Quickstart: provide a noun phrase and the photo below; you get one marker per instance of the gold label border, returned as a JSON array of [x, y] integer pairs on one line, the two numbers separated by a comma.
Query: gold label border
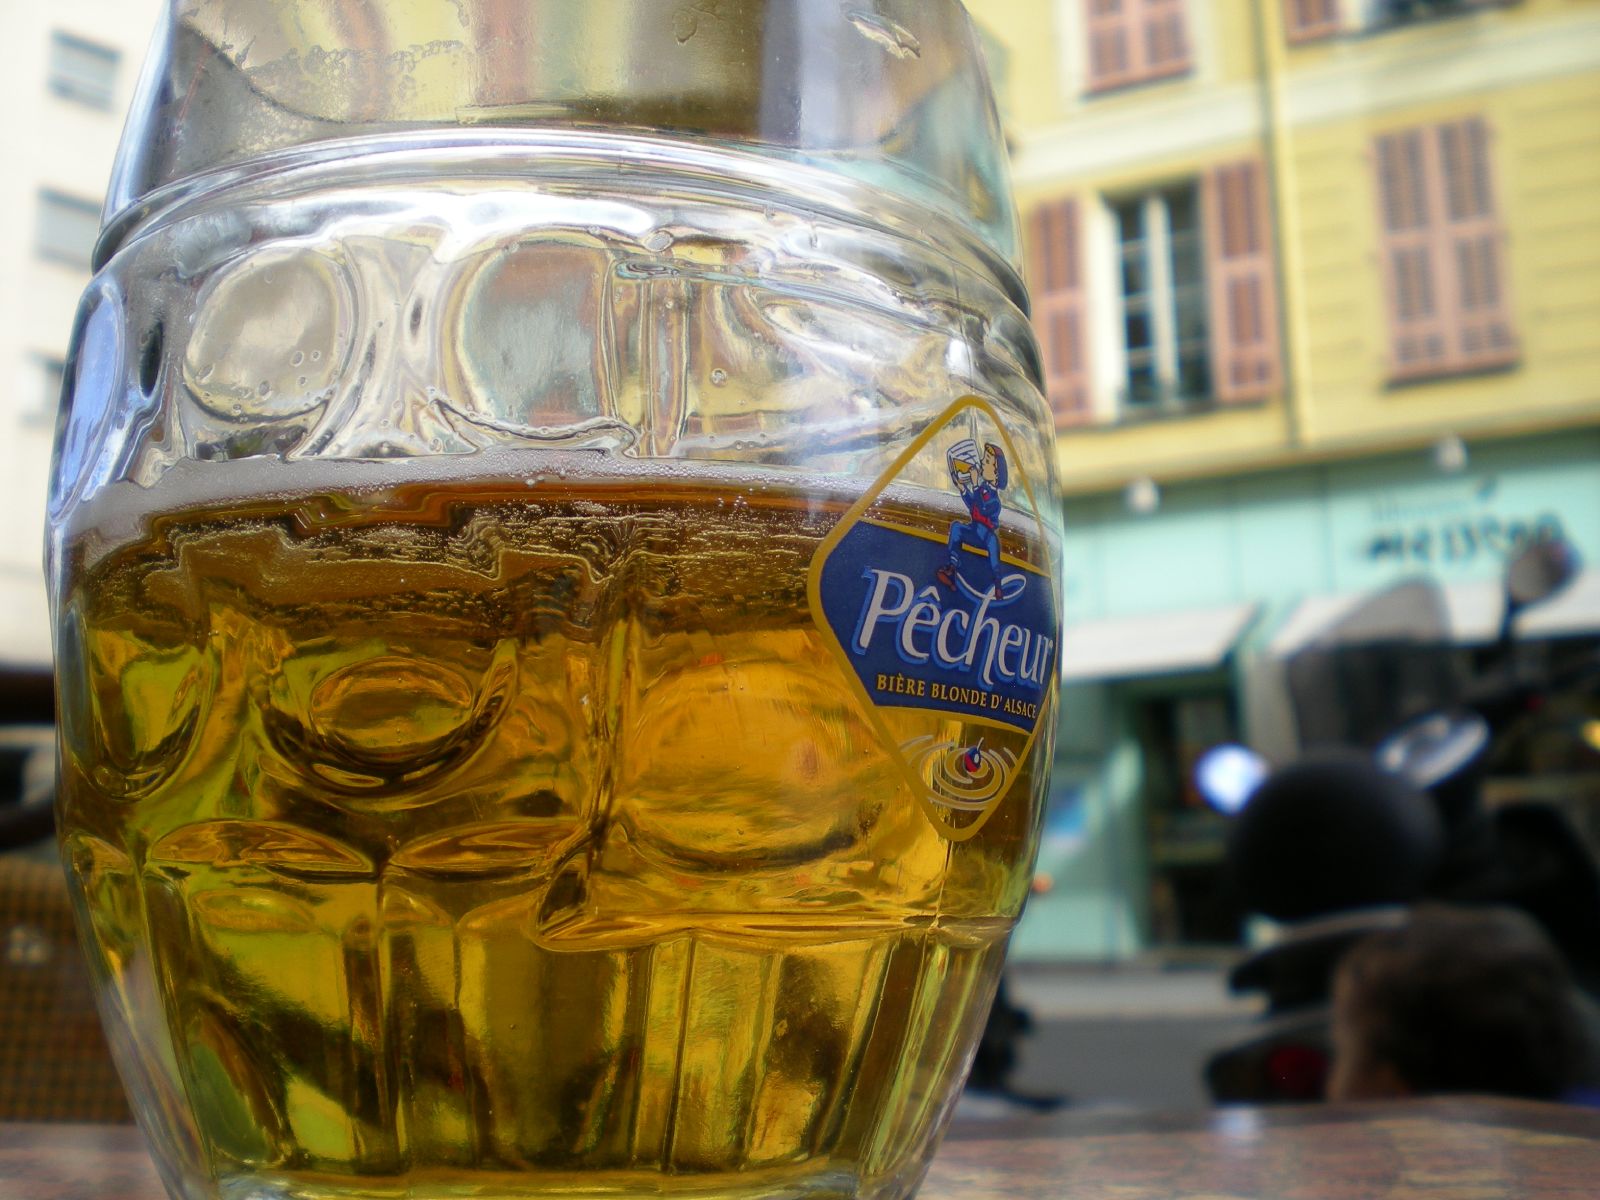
[[852, 516]]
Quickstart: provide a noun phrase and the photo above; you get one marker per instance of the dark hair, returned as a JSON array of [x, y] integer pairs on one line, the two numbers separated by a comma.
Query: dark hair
[[1001, 475], [1466, 1000]]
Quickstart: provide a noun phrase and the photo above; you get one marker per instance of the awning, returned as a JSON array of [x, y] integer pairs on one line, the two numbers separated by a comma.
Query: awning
[[1472, 611], [1152, 644]]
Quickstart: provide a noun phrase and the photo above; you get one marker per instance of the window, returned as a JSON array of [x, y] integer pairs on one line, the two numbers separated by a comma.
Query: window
[[1056, 278], [67, 229], [52, 376], [1308, 20], [1442, 251], [1135, 41], [82, 71], [1161, 282], [1192, 286]]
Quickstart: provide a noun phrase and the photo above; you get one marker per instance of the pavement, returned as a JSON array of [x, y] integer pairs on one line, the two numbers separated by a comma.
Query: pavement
[[1142, 988], [1131, 1036]]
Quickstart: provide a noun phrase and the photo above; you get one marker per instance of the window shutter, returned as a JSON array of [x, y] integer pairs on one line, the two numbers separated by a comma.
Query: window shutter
[[1131, 41], [1448, 304], [1307, 20], [1471, 248], [1166, 38], [1246, 358], [1056, 266], [1419, 335], [1110, 31]]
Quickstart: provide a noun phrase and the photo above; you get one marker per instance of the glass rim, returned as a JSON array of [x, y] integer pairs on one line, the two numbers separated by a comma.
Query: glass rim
[[891, 94], [549, 154]]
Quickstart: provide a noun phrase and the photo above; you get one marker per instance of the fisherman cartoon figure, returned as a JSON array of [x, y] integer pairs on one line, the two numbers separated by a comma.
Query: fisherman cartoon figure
[[979, 479]]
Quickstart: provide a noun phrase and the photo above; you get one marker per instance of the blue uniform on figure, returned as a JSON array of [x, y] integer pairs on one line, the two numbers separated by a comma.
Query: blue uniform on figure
[[980, 487]]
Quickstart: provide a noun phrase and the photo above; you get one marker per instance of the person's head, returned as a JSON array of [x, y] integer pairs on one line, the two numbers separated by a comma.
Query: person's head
[[994, 465], [1455, 1000]]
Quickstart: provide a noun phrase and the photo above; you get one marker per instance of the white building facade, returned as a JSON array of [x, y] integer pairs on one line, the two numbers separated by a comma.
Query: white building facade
[[69, 71]]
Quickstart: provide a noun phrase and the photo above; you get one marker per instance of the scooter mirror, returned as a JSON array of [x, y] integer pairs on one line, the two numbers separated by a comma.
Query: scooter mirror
[[1538, 571]]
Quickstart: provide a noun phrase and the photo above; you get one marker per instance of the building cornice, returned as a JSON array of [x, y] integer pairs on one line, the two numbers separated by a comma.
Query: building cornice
[[1078, 483], [1356, 77]]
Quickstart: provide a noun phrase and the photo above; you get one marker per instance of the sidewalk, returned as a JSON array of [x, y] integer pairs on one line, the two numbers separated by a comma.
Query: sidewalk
[[1138, 989], [1126, 1036]]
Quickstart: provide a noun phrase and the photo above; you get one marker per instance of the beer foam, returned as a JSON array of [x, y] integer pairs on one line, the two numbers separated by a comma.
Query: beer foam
[[120, 514]]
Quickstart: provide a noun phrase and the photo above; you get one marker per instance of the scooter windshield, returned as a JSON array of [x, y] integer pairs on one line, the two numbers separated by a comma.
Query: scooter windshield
[[1388, 659]]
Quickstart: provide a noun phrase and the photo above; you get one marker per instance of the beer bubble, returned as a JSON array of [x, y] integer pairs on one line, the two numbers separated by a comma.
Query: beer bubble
[[719, 376], [658, 241]]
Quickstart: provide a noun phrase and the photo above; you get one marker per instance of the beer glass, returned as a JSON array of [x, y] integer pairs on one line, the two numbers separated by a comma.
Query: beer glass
[[553, 565]]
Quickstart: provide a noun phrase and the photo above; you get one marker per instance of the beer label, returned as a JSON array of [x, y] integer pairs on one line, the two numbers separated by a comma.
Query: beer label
[[936, 592]]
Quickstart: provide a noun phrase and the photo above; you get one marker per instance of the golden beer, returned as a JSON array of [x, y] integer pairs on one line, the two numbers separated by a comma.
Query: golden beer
[[514, 837]]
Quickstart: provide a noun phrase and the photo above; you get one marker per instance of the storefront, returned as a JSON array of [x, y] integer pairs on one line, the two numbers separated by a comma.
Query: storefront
[[1180, 621]]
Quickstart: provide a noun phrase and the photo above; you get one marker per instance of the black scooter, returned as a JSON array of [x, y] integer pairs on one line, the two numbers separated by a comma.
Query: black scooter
[[1341, 843]]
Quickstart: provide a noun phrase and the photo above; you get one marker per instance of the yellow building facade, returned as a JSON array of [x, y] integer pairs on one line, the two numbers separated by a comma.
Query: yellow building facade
[[1310, 90], [1317, 290]]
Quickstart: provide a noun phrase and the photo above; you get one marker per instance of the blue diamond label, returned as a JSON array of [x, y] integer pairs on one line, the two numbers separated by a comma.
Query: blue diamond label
[[937, 591]]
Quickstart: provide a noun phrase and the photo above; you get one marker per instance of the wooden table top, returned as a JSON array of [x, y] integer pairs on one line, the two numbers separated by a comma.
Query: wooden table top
[[1454, 1149]]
